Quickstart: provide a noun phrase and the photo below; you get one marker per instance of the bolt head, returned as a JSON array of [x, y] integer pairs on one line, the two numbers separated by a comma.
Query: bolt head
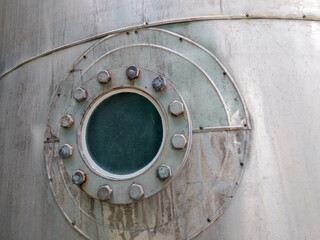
[[176, 108], [159, 83], [104, 192], [66, 151], [66, 121], [179, 141], [80, 94], [136, 191], [163, 172], [104, 76], [79, 177], [132, 72]]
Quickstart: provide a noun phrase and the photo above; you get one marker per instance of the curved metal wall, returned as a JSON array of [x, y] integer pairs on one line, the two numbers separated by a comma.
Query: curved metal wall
[[273, 55]]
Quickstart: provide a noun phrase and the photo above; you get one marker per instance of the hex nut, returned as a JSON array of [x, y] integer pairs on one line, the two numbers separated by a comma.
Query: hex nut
[[104, 192], [176, 108], [179, 141], [66, 121], [136, 191], [79, 177], [159, 83], [163, 172], [104, 77], [132, 72], [66, 151], [80, 94]]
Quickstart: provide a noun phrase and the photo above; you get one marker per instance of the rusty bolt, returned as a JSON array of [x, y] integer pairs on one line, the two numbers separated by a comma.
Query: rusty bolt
[[136, 191], [104, 76], [66, 121], [80, 94], [104, 192], [65, 151], [179, 141], [163, 172], [132, 72], [79, 177], [176, 108], [159, 83]]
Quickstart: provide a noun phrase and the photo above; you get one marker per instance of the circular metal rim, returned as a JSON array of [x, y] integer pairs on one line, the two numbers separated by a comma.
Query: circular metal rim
[[168, 155], [82, 144]]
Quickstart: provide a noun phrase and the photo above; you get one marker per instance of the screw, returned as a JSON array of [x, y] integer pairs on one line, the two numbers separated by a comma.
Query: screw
[[79, 177], [66, 121], [159, 83], [136, 191], [132, 72], [176, 108], [104, 76], [66, 151], [80, 94], [163, 172], [104, 192], [179, 141]]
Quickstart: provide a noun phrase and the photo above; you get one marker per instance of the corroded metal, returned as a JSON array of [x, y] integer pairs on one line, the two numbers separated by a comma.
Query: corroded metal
[[159, 83], [216, 155], [163, 172], [79, 177], [132, 72], [43, 52], [66, 151]]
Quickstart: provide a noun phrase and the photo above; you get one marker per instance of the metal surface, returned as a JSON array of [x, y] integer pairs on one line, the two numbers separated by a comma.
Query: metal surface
[[271, 48], [104, 192], [82, 112], [104, 76]]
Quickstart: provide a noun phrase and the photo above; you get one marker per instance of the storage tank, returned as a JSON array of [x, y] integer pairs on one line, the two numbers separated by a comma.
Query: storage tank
[[159, 119]]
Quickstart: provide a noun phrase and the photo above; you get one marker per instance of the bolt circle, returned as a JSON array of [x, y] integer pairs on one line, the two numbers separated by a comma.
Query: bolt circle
[[163, 172], [104, 76], [159, 83], [104, 192], [176, 108], [132, 72], [179, 141], [80, 94], [66, 121], [136, 191], [79, 177], [66, 151]]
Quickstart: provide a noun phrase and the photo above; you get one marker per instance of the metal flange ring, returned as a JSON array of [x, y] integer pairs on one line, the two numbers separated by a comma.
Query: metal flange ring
[[160, 169]]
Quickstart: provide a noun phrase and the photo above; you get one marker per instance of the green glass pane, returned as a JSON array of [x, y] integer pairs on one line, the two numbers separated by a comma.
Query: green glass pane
[[124, 133]]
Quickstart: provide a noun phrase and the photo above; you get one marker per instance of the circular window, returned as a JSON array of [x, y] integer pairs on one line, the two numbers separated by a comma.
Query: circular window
[[124, 136], [124, 133]]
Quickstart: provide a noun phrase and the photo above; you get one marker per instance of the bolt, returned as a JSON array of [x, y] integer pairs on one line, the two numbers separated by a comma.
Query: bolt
[[176, 108], [179, 141], [80, 94], [79, 177], [104, 192], [104, 76], [136, 191], [163, 172], [66, 151], [66, 121], [132, 72], [159, 83]]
